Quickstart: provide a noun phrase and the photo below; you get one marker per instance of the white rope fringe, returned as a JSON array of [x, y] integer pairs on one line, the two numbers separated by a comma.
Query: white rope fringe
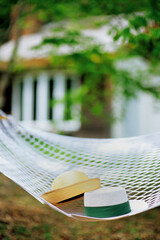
[[33, 159]]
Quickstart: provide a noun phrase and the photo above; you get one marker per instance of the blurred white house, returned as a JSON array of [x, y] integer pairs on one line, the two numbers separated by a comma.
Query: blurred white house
[[34, 89]]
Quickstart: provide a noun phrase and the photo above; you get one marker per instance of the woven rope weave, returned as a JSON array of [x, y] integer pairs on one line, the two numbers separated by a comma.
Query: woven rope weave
[[33, 159]]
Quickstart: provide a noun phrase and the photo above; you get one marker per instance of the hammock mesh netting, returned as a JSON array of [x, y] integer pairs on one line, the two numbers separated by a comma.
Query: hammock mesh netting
[[33, 158]]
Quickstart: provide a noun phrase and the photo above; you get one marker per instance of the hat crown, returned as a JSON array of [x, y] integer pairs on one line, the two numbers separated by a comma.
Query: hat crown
[[107, 196]]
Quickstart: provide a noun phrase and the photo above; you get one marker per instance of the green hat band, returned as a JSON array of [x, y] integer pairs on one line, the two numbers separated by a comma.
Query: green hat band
[[108, 211]]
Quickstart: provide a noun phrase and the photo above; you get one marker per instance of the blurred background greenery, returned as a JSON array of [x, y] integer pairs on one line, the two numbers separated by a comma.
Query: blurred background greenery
[[110, 49]]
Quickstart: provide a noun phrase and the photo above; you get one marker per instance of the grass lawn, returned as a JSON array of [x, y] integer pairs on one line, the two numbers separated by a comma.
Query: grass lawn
[[23, 217]]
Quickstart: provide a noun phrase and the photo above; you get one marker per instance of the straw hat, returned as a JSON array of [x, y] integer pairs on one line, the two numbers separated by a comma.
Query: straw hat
[[70, 184]]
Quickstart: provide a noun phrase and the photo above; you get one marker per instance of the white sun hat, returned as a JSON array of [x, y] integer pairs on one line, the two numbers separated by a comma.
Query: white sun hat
[[108, 202]]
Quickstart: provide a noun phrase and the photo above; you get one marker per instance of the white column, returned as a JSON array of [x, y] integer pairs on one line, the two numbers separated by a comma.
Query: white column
[[149, 114], [58, 95], [76, 107], [27, 96], [42, 97], [131, 119], [117, 109], [127, 123], [16, 93]]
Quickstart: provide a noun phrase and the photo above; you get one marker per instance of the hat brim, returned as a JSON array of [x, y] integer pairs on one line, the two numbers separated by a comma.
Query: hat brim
[[137, 206]]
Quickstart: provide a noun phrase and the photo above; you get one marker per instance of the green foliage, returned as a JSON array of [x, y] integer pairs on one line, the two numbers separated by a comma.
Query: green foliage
[[62, 36], [144, 42], [5, 12], [100, 78], [94, 67], [58, 10], [138, 21], [143, 33]]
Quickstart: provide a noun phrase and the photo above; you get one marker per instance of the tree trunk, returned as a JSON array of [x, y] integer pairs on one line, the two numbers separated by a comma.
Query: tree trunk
[[98, 126], [6, 76]]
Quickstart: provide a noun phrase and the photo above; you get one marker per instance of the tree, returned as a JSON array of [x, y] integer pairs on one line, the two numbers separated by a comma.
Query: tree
[[5, 31], [97, 68], [142, 38], [139, 38]]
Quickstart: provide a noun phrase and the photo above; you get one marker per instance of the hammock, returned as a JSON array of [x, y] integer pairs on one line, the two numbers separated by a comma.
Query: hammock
[[34, 158]]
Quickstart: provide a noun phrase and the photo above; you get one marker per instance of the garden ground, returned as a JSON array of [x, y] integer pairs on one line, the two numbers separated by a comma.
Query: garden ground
[[23, 217]]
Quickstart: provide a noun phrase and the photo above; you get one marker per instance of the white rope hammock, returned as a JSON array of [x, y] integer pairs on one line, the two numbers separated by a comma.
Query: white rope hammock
[[33, 159]]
